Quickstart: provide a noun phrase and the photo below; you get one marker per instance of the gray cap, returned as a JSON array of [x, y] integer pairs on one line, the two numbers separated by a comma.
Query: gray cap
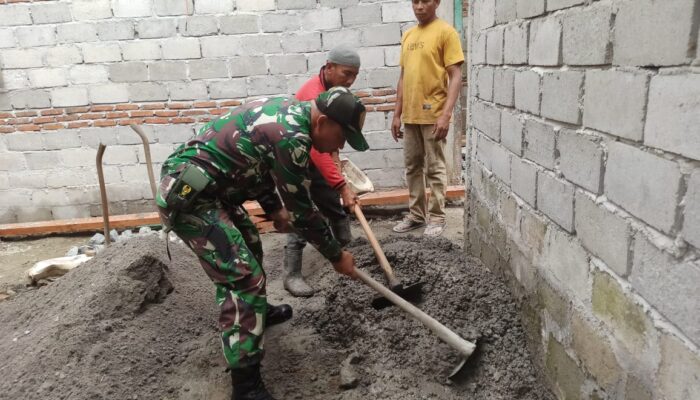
[[343, 54]]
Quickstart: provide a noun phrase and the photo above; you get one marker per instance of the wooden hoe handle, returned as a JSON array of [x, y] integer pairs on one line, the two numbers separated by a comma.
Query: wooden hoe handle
[[383, 262]]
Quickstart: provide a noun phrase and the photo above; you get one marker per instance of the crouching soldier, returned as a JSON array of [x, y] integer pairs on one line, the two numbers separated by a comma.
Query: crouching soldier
[[248, 154]]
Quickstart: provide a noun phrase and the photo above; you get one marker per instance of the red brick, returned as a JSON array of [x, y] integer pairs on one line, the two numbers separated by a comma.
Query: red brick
[[167, 113], [53, 111], [153, 106], [361, 93], [67, 118], [141, 113], [112, 115], [204, 119], [383, 92], [204, 104], [19, 121], [75, 110], [44, 120], [25, 113], [126, 107], [182, 120], [129, 121], [180, 106], [52, 127], [7, 129], [373, 100], [92, 116], [79, 124], [101, 108], [29, 127], [230, 103], [391, 99], [156, 120], [385, 107], [105, 122], [6, 115], [193, 112], [218, 111]]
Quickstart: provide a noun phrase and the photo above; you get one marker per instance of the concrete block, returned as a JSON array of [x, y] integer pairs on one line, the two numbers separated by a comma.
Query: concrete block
[[387, 178], [21, 58], [174, 134], [545, 42], [691, 224], [246, 66], [47, 77], [188, 90], [653, 195], [378, 159], [561, 94], [128, 72], [296, 4], [505, 11], [262, 85], [198, 26], [494, 46], [61, 139], [159, 152], [565, 262], [121, 155], [504, 87], [484, 150], [540, 143], [679, 370], [39, 160], [91, 9], [364, 14], [374, 121], [381, 35], [228, 89], [70, 212], [484, 14], [15, 14], [383, 77], [396, 12], [5, 103], [287, 64], [63, 55], [100, 53], [34, 214], [34, 36], [69, 97], [346, 36], [50, 13], [116, 30], [553, 5], [581, 160], [30, 99], [555, 198], [478, 51], [8, 215], [392, 56], [76, 33], [586, 36], [652, 33], [669, 285], [109, 93], [515, 44], [486, 119], [637, 389], [82, 74], [277, 22], [241, 23], [512, 132], [529, 8], [673, 114], [370, 57], [206, 69], [603, 233], [615, 307], [316, 60], [614, 103], [133, 174], [23, 142], [141, 50], [92, 137], [219, 46], [14, 161], [321, 19], [527, 91], [147, 91], [254, 5], [179, 49], [11, 198], [484, 83], [554, 303], [13, 79], [167, 70], [523, 176], [80, 157], [152, 28], [131, 9], [500, 163], [174, 7], [263, 44], [338, 3], [7, 38], [595, 352]]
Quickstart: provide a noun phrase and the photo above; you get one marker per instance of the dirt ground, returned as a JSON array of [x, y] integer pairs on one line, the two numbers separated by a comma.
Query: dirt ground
[[129, 324]]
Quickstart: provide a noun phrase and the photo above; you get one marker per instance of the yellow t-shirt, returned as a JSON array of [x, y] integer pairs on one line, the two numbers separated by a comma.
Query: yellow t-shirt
[[426, 51]]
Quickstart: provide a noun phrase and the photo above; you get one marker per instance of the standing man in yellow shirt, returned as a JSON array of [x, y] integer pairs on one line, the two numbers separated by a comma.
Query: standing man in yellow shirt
[[430, 81]]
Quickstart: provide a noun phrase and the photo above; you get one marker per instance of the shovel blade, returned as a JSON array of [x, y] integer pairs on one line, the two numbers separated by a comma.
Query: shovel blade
[[411, 293]]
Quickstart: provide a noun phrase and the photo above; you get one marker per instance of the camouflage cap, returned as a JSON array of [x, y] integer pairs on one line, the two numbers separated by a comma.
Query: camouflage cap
[[340, 105]]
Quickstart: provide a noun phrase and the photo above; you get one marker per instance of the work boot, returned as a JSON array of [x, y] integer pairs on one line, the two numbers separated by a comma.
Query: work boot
[[293, 280], [278, 314], [248, 385], [341, 231]]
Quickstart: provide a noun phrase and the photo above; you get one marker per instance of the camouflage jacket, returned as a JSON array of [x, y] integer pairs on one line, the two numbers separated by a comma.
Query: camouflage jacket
[[251, 151]]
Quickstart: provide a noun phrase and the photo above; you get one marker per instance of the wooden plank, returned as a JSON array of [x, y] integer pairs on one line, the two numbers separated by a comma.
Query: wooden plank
[[391, 197]]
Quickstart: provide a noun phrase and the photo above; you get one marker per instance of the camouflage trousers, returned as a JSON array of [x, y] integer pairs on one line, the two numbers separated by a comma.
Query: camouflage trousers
[[229, 249]]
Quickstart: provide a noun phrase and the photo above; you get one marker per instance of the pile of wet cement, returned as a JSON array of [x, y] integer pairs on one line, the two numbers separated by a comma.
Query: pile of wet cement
[[130, 324]]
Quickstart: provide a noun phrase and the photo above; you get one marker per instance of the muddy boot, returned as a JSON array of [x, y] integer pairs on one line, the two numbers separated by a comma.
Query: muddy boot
[[248, 385], [341, 231], [293, 280], [278, 314]]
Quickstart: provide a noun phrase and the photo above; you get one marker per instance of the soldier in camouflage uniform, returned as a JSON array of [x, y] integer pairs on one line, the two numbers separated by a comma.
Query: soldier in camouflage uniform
[[248, 154]]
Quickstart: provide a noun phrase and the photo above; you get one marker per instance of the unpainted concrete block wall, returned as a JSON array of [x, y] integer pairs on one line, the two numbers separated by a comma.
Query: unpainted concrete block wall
[[74, 73], [583, 169]]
